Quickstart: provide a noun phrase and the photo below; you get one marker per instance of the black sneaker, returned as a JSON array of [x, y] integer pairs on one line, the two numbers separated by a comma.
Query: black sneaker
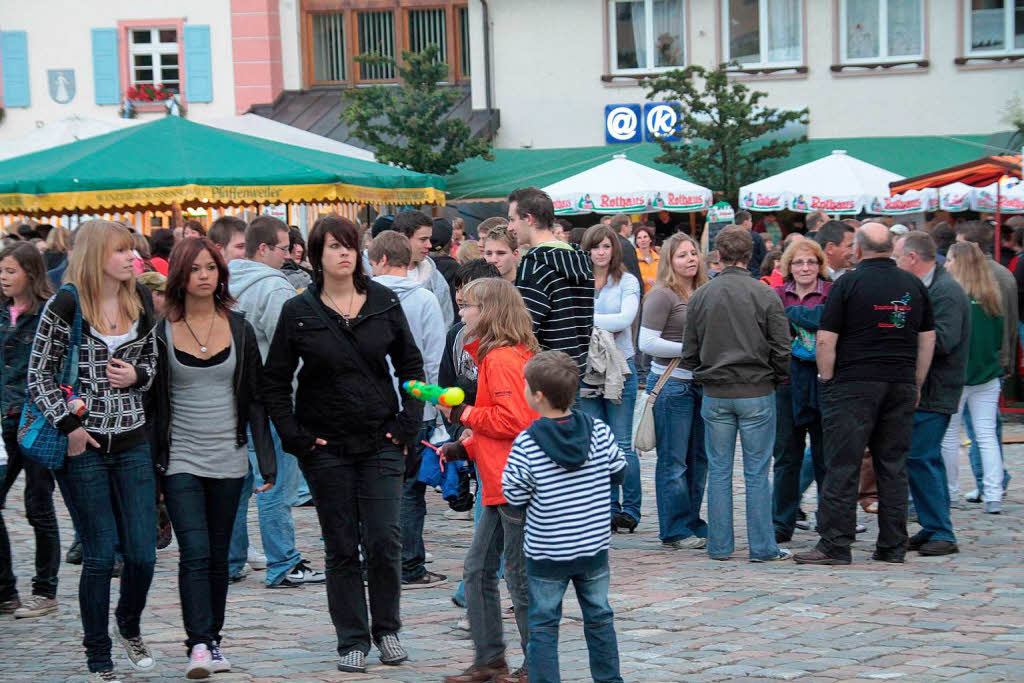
[[302, 573], [285, 583], [74, 554], [891, 557], [391, 651], [353, 662], [936, 548], [918, 540]]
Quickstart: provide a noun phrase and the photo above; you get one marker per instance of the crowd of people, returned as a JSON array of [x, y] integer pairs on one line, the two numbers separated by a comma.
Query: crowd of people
[[209, 366]]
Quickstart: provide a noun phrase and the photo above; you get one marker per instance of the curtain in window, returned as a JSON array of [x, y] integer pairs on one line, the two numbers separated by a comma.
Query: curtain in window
[[328, 47], [668, 33], [377, 36], [1018, 25], [862, 29], [784, 31], [904, 28], [987, 28], [630, 36], [744, 31]]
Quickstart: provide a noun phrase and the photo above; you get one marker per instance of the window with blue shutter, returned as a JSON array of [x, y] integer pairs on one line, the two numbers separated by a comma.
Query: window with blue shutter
[[106, 76], [198, 76], [14, 54]]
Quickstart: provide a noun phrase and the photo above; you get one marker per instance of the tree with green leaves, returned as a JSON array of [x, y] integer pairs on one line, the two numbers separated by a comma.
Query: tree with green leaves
[[725, 131], [408, 125]]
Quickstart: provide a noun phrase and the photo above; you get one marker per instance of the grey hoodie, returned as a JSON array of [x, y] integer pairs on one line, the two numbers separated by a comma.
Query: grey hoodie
[[261, 292], [423, 312], [427, 274]]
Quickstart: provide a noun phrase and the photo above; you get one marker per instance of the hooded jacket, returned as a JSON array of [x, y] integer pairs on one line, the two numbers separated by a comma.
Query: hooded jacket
[[260, 292], [426, 322], [247, 386], [562, 469], [557, 284], [345, 393], [499, 414]]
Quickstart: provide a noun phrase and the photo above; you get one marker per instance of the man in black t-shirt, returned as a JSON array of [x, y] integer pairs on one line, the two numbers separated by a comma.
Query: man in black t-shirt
[[875, 346]]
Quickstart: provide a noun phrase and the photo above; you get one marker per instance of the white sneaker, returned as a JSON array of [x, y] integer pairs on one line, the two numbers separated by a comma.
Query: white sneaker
[[256, 560], [464, 516], [200, 663], [219, 661], [428, 558], [135, 649], [301, 573]]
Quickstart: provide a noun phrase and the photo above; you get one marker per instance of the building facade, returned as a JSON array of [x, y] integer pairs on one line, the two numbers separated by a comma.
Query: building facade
[[550, 68]]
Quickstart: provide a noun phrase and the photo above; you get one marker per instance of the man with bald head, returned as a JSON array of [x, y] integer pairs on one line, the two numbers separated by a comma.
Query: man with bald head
[[874, 348]]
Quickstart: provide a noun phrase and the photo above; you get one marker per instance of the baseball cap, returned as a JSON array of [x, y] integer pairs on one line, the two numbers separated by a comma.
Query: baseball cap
[[442, 234], [381, 224]]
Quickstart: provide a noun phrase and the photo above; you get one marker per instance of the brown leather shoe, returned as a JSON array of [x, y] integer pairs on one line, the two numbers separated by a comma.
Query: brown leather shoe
[[481, 674], [517, 676]]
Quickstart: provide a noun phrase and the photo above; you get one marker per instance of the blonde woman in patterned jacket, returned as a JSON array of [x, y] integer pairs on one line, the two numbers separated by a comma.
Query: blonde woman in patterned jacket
[[107, 478]]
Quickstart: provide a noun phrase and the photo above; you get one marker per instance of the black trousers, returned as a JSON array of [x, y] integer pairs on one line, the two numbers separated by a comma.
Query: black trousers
[[354, 492], [41, 516], [789, 460], [202, 511], [855, 416]]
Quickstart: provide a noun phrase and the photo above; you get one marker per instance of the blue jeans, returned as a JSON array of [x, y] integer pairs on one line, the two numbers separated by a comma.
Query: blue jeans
[[620, 418], [926, 475], [974, 452], [681, 470], [460, 593], [277, 528], [754, 419], [111, 495], [546, 594], [202, 511], [413, 515], [302, 494]]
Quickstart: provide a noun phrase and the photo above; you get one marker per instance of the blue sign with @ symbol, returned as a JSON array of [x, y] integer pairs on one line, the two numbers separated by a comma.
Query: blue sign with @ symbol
[[623, 123], [660, 119]]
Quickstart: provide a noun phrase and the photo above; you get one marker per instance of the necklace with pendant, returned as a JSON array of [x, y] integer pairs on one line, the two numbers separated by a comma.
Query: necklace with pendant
[[202, 345]]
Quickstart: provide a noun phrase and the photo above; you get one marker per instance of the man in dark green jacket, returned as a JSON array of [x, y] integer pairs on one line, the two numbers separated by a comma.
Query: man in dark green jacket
[[940, 395]]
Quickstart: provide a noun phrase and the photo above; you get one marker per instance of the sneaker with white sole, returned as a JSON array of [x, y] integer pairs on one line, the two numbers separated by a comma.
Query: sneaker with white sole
[[688, 543], [428, 558], [784, 554], [391, 651], [36, 606], [256, 560], [459, 515], [426, 581], [353, 662], [302, 573], [200, 663], [104, 677], [220, 662], [462, 624], [136, 650]]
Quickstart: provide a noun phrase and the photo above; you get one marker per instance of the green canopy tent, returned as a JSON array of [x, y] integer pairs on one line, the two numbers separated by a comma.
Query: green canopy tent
[[173, 161]]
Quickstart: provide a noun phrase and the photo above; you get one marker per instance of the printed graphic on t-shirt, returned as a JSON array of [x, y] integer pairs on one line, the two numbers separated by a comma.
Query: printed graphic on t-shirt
[[898, 312]]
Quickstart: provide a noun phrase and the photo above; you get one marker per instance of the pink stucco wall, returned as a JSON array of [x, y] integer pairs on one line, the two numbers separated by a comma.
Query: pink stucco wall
[[256, 52]]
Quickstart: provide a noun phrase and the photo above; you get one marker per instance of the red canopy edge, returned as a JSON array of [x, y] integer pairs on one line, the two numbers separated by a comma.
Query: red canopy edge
[[978, 173]]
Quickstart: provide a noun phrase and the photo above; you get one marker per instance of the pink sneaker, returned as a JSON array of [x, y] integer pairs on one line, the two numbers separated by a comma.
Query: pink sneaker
[[200, 663]]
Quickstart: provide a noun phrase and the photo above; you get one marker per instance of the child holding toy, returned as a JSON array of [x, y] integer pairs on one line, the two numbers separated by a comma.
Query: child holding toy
[[501, 341]]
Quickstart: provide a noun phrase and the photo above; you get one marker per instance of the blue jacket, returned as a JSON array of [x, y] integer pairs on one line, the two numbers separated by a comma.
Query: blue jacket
[[15, 351]]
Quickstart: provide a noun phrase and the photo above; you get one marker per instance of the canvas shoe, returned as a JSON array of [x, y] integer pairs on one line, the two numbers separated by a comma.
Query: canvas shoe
[[391, 651], [354, 662], [200, 663], [256, 560], [136, 650], [104, 677], [220, 662], [36, 606]]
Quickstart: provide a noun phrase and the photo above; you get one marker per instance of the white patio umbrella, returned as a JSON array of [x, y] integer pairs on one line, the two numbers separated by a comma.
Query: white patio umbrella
[[955, 197], [61, 132], [1010, 197], [623, 186], [836, 184]]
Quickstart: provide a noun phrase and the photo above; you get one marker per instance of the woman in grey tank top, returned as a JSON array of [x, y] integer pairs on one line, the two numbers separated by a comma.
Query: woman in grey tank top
[[207, 397]]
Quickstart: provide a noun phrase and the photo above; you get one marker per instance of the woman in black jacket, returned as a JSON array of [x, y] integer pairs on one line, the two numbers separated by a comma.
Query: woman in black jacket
[[206, 395], [349, 430]]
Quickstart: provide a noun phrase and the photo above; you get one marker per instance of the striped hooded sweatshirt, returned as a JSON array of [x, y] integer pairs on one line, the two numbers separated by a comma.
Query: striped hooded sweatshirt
[[556, 281], [562, 470]]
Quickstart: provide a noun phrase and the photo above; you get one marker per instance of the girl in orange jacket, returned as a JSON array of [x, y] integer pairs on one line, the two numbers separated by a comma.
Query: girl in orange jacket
[[501, 342]]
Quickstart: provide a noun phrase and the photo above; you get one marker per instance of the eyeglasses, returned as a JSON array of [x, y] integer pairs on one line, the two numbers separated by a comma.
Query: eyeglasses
[[805, 264], [286, 250]]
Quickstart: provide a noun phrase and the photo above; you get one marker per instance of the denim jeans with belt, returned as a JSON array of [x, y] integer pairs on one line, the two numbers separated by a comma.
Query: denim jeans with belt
[[40, 513], [681, 470], [277, 528], [358, 498], [500, 530], [754, 419], [619, 416], [202, 511], [546, 594], [926, 475], [111, 496]]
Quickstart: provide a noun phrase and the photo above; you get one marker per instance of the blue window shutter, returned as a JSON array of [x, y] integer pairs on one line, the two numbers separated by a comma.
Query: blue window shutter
[[14, 53], [198, 77], [106, 69]]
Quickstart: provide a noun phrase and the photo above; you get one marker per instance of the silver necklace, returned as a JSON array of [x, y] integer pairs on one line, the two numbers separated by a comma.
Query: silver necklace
[[202, 346]]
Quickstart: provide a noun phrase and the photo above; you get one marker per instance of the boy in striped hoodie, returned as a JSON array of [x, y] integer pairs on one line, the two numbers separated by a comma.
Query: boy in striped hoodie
[[561, 468]]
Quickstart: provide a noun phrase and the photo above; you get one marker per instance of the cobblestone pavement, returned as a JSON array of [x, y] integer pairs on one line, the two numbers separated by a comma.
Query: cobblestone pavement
[[679, 615]]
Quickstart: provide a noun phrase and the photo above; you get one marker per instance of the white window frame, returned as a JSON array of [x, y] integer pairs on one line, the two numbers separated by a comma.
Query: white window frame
[[649, 40], [1008, 9], [762, 30], [883, 37], [154, 49]]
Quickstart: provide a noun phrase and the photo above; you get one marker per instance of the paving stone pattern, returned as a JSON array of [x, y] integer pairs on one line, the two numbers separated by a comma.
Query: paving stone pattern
[[679, 615]]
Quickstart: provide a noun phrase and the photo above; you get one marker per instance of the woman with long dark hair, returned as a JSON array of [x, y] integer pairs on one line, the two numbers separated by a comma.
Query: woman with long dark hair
[[349, 431], [107, 478], [206, 397], [25, 289]]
